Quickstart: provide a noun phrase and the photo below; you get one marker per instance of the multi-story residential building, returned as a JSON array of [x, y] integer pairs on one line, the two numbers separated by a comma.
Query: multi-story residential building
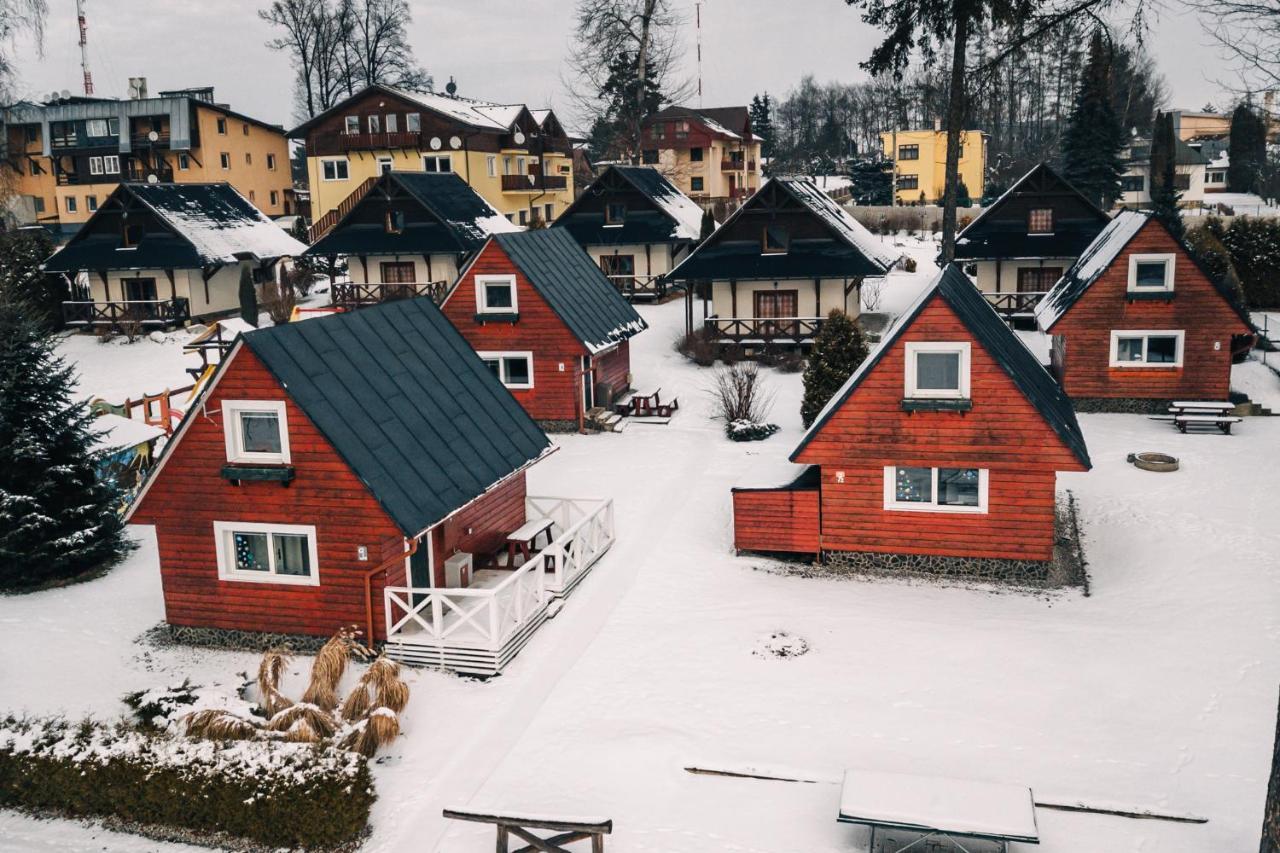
[[710, 155], [920, 163], [1190, 168], [69, 154], [517, 159]]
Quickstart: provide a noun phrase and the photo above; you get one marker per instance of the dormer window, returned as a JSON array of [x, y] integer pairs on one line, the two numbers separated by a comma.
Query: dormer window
[[256, 432], [496, 294], [352, 124], [1040, 220], [1151, 273], [937, 371], [130, 235], [775, 240], [615, 212], [394, 221]]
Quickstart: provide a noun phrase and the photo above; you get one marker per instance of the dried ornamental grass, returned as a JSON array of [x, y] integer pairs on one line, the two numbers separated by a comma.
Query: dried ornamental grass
[[326, 672], [213, 724], [311, 717], [376, 731], [270, 670]]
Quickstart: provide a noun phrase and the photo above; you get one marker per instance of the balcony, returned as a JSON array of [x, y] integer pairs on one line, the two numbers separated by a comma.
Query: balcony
[[635, 287], [141, 172], [126, 314], [144, 140], [1009, 305], [350, 296], [754, 330], [341, 143], [479, 628], [533, 183], [737, 165]]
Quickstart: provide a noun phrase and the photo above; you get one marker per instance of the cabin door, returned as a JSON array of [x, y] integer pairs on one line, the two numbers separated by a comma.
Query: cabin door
[[588, 385], [143, 292], [774, 305]]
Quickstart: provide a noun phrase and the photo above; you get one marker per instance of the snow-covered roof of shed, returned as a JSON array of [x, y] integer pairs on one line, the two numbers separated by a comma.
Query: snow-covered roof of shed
[[1091, 264], [840, 220], [222, 225], [990, 810]]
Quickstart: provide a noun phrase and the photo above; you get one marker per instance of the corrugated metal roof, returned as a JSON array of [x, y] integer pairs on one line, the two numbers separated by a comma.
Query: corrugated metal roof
[[1093, 261], [991, 332], [573, 286], [406, 402], [671, 217]]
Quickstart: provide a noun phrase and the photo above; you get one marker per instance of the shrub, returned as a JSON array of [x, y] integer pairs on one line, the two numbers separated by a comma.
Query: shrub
[[749, 431], [771, 355], [275, 793], [699, 346], [739, 394], [731, 354], [792, 361], [872, 293], [909, 263], [838, 349], [280, 298]]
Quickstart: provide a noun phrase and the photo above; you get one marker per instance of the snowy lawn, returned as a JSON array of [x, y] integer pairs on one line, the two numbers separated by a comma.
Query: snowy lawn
[[1158, 691]]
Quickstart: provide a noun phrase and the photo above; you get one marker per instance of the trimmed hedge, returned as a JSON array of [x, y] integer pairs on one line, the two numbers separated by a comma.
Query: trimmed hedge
[[275, 793]]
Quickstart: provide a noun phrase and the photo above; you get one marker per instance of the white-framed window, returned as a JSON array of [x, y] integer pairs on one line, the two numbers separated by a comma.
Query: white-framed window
[[95, 165], [1147, 348], [266, 553], [256, 431], [391, 123], [496, 294], [375, 124], [938, 370], [413, 122], [433, 163], [921, 489], [71, 204], [96, 128], [1151, 273], [334, 169], [91, 202], [352, 124], [491, 165], [513, 369], [385, 164], [225, 159], [111, 164]]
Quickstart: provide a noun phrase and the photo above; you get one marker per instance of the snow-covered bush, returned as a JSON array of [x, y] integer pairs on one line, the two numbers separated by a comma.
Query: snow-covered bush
[[750, 430], [275, 793], [780, 644]]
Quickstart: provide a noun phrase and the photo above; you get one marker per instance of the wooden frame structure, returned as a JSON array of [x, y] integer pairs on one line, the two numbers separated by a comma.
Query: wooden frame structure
[[522, 826]]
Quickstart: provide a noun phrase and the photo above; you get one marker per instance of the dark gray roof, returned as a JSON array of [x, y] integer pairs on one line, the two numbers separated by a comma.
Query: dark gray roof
[[982, 321], [457, 219], [573, 286], [668, 217], [406, 402]]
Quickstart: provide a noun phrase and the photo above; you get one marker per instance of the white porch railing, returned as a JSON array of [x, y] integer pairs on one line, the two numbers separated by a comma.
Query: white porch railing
[[583, 529], [478, 629]]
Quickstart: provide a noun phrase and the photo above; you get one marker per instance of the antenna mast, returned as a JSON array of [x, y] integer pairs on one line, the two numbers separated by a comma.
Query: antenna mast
[[84, 49], [697, 12]]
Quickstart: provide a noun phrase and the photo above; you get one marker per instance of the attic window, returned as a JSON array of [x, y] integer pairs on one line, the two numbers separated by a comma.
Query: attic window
[[256, 432], [615, 213], [1040, 220], [775, 240], [130, 235], [1151, 273], [938, 371], [496, 294], [352, 124], [394, 221]]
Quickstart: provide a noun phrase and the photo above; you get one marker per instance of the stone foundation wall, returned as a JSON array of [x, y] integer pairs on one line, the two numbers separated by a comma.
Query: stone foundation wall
[[165, 634], [558, 426], [1121, 405]]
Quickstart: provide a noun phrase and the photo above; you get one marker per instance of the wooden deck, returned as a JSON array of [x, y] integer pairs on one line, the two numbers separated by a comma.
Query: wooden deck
[[754, 330], [350, 296]]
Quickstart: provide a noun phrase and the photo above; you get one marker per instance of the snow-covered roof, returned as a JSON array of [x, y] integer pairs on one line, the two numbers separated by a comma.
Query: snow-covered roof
[[540, 116], [470, 111], [717, 127], [684, 211], [1091, 264], [840, 220], [221, 224], [991, 810]]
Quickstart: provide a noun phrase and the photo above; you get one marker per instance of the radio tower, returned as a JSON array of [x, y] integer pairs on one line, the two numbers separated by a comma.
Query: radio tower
[[697, 16], [84, 48]]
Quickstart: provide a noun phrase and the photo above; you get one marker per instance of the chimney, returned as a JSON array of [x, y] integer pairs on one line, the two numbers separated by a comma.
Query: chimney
[[937, 125]]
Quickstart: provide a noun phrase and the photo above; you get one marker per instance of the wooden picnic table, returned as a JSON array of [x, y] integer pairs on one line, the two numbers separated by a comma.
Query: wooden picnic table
[[524, 539], [1208, 413], [1181, 407], [646, 404], [1221, 421], [568, 830]]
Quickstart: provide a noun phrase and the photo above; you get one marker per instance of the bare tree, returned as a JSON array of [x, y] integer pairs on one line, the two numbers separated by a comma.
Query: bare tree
[[379, 46], [623, 62], [300, 20], [16, 17], [1249, 33]]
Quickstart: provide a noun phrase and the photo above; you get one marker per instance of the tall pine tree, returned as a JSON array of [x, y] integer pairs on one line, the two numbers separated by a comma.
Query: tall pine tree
[[838, 349], [1246, 150], [1165, 194], [1094, 137], [762, 122], [58, 520]]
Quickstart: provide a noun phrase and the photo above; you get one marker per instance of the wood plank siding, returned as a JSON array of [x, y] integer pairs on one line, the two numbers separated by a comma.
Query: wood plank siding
[[1003, 433], [482, 528], [782, 520], [613, 367], [1082, 342], [557, 353]]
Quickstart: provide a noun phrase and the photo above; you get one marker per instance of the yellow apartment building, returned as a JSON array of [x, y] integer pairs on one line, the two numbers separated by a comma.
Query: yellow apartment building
[[68, 155], [709, 154], [920, 163], [519, 160]]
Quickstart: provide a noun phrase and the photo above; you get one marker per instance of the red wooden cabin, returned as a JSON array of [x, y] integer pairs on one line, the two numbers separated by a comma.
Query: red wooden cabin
[[331, 458], [1136, 322], [548, 323], [943, 446]]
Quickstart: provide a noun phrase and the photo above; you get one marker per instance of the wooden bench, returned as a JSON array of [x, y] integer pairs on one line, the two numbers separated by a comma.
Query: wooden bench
[[568, 830], [524, 540], [1222, 422], [1182, 407], [647, 405]]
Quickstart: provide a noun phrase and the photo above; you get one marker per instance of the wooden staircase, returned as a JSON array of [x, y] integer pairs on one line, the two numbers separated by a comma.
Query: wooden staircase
[[604, 420], [324, 224]]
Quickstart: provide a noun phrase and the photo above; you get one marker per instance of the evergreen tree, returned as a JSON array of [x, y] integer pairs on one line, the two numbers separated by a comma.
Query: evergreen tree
[[1164, 170], [872, 181], [708, 226], [1247, 150], [1094, 137], [22, 280], [762, 122], [838, 349], [962, 195], [248, 298], [58, 520]]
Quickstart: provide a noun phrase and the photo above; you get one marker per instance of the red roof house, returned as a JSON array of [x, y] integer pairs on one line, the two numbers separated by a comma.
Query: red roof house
[[940, 453], [1136, 322], [362, 468], [547, 322]]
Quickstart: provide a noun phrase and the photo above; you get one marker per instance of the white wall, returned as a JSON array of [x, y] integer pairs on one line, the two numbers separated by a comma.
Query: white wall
[[1009, 272], [807, 305], [444, 267], [658, 261]]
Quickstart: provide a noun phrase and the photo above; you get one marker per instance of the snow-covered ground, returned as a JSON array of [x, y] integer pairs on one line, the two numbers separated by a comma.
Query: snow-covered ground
[[1156, 691]]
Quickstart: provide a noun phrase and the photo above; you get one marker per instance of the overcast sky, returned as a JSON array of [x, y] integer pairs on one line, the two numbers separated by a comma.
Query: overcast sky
[[502, 50]]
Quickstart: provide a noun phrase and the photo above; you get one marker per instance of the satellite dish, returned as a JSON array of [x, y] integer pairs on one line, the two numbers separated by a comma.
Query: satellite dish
[[153, 136], [519, 137], [451, 87], [435, 143], [455, 142], [66, 93], [153, 178]]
